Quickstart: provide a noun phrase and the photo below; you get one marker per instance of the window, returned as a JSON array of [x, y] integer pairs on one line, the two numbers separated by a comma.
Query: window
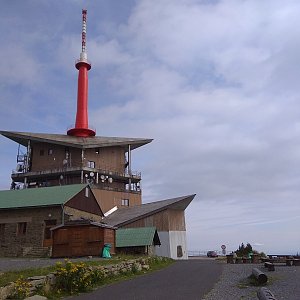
[[125, 202], [48, 225], [179, 251], [50, 151], [91, 164], [42, 152], [21, 228], [2, 230]]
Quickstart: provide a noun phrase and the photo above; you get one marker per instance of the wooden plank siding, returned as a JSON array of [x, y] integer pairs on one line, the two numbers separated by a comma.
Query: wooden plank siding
[[72, 241], [47, 156], [109, 199], [166, 220], [85, 201]]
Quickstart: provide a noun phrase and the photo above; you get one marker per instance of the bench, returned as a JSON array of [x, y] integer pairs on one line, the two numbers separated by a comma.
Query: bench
[[270, 266]]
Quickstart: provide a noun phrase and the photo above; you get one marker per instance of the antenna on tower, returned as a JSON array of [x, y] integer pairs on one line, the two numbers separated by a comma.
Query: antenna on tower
[[83, 66]]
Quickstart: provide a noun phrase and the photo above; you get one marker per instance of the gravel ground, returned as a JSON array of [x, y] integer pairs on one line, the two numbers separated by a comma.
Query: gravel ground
[[283, 283]]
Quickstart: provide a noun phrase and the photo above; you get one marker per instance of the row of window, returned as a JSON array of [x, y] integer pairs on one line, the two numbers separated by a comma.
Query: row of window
[[21, 229], [50, 151], [42, 152]]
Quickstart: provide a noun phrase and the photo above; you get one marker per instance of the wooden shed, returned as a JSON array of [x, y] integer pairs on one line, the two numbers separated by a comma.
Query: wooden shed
[[82, 238], [137, 240]]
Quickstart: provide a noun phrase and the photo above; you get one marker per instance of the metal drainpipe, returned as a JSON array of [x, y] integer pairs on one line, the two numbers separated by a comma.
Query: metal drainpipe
[[82, 159], [129, 166], [63, 215], [28, 156]]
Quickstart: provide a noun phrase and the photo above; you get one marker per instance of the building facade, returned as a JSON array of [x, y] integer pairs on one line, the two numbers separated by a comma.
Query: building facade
[[45, 160], [27, 216]]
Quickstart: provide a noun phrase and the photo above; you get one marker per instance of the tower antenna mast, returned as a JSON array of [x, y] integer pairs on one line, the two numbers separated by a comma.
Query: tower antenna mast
[[81, 128]]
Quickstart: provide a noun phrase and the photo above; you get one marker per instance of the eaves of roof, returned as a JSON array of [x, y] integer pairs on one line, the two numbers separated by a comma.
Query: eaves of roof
[[124, 216], [73, 141], [80, 223]]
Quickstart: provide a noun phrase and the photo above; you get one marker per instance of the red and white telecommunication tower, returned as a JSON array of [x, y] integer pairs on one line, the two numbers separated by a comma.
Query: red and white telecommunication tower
[[81, 128]]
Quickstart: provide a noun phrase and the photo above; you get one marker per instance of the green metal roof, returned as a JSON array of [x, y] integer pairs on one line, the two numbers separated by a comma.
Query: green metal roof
[[46, 196], [143, 236]]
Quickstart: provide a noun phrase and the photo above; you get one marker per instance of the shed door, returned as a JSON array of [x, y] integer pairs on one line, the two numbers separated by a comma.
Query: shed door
[[60, 243], [78, 238], [47, 233]]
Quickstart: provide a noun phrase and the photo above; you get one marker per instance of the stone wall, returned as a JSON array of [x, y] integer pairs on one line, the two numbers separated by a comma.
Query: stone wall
[[14, 239]]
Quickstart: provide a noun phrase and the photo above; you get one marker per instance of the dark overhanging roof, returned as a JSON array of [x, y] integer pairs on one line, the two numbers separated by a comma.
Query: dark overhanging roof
[[39, 197], [133, 237], [124, 216], [80, 223], [73, 141]]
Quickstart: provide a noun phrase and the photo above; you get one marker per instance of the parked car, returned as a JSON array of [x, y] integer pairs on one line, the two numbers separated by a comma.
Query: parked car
[[212, 254]]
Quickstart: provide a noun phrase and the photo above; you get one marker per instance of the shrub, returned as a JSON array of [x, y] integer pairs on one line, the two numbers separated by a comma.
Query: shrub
[[21, 289], [73, 277]]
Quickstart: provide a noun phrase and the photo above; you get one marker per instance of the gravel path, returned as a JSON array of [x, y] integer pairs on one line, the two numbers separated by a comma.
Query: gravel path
[[283, 283]]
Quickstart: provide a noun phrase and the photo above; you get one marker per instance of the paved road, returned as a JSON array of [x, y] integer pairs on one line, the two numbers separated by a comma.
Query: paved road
[[184, 280]]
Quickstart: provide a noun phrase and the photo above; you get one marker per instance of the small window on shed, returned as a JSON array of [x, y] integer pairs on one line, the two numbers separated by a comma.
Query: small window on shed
[[21, 228], [86, 192], [50, 151], [125, 202]]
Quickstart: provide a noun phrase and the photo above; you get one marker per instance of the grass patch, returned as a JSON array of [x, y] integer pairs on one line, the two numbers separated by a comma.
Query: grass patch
[[84, 277], [12, 276]]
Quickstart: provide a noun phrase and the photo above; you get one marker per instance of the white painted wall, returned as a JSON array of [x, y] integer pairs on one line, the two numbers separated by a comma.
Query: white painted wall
[[169, 242], [164, 248], [178, 238]]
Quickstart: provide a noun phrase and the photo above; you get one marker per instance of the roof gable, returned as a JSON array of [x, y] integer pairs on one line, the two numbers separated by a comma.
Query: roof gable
[[46, 196], [132, 237], [80, 223], [127, 215]]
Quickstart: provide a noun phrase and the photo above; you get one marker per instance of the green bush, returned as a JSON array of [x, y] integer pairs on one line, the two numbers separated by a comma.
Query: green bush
[[21, 289], [73, 277]]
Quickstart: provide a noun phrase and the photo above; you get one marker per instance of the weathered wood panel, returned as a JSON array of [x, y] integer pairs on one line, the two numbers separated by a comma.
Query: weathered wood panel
[[73, 241], [109, 199], [85, 202], [167, 220]]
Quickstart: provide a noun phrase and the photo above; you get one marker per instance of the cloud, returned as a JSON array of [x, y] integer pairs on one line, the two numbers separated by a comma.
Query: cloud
[[213, 82]]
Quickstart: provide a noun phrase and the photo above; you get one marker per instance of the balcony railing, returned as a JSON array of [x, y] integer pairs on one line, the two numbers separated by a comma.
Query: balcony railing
[[113, 174]]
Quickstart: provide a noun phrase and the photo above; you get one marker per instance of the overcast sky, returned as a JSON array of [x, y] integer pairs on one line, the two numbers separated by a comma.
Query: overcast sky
[[214, 83]]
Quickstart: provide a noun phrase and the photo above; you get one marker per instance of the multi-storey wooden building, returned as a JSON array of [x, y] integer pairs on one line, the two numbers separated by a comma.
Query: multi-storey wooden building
[[56, 159]]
